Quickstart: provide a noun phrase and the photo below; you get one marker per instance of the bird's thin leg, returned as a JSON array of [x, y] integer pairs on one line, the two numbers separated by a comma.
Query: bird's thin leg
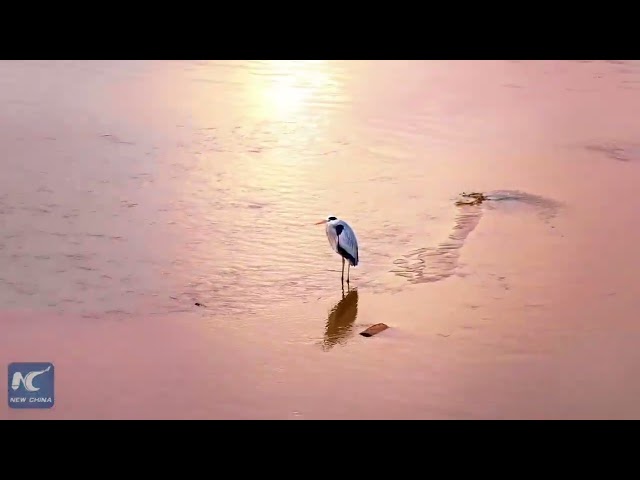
[[348, 270], [342, 278]]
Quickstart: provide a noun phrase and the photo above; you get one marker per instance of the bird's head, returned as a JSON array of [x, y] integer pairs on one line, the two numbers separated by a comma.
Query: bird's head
[[329, 219]]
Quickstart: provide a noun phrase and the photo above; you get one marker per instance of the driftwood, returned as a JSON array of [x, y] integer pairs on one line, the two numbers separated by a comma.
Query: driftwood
[[374, 329]]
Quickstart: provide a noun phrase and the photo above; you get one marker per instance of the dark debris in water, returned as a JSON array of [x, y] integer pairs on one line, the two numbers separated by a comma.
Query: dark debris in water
[[116, 139], [476, 198], [621, 153]]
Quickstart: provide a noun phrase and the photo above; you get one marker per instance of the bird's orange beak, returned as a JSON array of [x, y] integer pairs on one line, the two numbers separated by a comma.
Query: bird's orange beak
[[320, 222]]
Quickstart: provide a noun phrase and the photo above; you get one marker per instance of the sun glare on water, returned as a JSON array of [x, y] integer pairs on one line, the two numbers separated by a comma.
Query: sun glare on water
[[286, 87]]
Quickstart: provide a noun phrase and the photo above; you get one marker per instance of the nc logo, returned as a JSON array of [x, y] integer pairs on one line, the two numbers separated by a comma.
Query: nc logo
[[31, 385], [27, 380]]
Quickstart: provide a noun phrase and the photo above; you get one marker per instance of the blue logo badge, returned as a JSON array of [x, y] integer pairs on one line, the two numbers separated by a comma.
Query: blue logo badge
[[31, 385]]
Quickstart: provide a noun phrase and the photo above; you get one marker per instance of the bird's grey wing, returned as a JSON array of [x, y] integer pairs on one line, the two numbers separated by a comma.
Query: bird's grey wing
[[348, 241]]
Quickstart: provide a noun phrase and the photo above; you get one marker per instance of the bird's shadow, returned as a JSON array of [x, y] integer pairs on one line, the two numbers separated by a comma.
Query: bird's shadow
[[339, 326]]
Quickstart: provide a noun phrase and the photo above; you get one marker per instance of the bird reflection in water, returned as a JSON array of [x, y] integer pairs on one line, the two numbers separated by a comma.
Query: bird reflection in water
[[340, 321]]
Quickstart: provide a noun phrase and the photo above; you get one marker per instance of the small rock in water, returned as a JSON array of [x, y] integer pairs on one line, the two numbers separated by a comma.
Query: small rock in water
[[374, 329], [199, 304]]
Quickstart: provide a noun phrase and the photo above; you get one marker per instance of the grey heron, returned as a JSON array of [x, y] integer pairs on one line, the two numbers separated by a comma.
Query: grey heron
[[343, 240]]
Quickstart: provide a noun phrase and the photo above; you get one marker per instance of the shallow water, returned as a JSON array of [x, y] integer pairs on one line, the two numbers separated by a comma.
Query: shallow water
[[133, 189]]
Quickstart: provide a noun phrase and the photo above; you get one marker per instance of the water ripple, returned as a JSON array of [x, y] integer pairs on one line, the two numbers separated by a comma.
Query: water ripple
[[201, 180]]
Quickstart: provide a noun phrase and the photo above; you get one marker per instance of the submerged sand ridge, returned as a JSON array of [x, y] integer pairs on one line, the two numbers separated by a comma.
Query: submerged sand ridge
[[431, 264]]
